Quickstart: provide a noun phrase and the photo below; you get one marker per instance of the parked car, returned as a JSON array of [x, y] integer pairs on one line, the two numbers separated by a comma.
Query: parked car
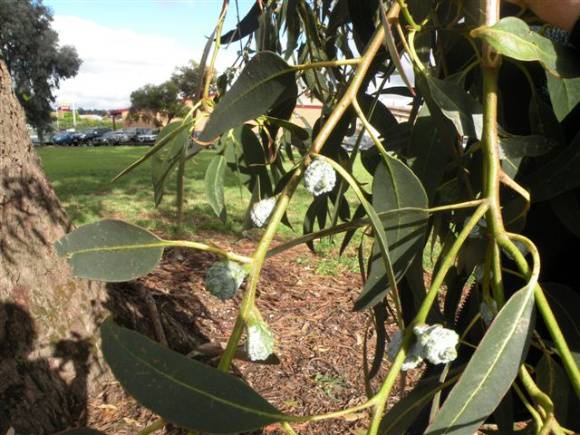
[[148, 137], [105, 139], [89, 135], [119, 137], [65, 138]]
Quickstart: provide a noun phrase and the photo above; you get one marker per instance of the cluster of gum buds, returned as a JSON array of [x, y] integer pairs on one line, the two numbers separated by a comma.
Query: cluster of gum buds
[[262, 210], [436, 344], [224, 278], [319, 178]]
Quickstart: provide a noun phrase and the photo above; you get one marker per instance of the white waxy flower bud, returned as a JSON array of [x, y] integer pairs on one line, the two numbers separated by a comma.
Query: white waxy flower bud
[[413, 358], [224, 278], [260, 341], [438, 344], [262, 210], [488, 310], [319, 177]]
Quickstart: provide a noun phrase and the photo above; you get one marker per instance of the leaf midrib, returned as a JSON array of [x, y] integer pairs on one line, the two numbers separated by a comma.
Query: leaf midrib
[[276, 417], [492, 366]]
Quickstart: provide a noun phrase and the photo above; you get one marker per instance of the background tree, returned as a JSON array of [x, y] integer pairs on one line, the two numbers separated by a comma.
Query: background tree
[[157, 103], [187, 79], [36, 62]]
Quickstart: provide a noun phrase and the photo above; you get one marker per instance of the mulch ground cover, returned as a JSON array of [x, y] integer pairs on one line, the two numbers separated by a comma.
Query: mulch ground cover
[[318, 364]]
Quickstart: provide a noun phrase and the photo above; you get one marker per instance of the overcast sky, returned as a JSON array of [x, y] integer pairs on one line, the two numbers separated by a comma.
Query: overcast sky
[[125, 44]]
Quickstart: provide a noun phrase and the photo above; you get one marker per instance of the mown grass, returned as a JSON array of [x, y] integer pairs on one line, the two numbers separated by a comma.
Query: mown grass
[[82, 179]]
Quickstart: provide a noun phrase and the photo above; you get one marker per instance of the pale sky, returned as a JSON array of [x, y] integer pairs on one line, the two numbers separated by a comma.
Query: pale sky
[[125, 44]]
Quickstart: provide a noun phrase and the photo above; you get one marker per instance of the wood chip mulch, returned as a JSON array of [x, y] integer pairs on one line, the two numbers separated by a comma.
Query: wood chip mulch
[[318, 364]]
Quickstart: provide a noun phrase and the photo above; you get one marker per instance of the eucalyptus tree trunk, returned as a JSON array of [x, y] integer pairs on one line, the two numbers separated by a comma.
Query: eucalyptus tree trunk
[[48, 367]]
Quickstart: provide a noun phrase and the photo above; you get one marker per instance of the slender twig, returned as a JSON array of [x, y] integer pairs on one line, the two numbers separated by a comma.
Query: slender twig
[[424, 310], [284, 198]]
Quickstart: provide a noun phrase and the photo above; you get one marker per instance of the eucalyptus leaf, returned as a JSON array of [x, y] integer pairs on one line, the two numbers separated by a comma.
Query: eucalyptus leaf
[[552, 380], [395, 186], [406, 411], [514, 147], [183, 391], [512, 37], [491, 369], [266, 81], [453, 102], [564, 93], [559, 175], [214, 185], [110, 250], [247, 25]]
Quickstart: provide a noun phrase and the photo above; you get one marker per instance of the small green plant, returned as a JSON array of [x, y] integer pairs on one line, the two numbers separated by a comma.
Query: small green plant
[[445, 185]]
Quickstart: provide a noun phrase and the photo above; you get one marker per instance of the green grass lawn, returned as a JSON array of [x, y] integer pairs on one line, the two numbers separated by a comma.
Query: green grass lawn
[[82, 177]]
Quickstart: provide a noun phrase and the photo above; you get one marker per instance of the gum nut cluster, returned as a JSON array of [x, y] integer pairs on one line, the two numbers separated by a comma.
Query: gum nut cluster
[[260, 341], [412, 360], [224, 278], [262, 210], [488, 311], [319, 178], [438, 344]]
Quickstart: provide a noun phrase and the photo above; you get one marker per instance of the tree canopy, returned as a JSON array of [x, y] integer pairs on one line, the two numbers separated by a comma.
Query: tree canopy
[[36, 61], [151, 102]]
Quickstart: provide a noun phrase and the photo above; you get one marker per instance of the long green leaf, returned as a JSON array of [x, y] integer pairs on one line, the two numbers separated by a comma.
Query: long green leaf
[[512, 37], [166, 136], [395, 186], [515, 147], [453, 102], [564, 94], [491, 369], [183, 391], [558, 176], [266, 81], [111, 250], [405, 412], [380, 236], [214, 185]]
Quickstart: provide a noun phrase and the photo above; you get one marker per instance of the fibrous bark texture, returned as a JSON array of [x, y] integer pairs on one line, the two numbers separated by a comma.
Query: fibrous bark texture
[[48, 361]]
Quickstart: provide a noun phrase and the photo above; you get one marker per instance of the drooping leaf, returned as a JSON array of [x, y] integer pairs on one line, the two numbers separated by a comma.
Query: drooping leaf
[[515, 147], [564, 302], [165, 137], [552, 380], [558, 176], [183, 391], [266, 81], [300, 132], [110, 250], [381, 243], [453, 102], [564, 94], [214, 185], [246, 26], [165, 161], [491, 369], [431, 148], [512, 37], [395, 186], [404, 413]]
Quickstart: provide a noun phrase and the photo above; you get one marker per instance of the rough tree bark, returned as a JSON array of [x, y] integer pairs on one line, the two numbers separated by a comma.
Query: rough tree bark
[[49, 365]]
